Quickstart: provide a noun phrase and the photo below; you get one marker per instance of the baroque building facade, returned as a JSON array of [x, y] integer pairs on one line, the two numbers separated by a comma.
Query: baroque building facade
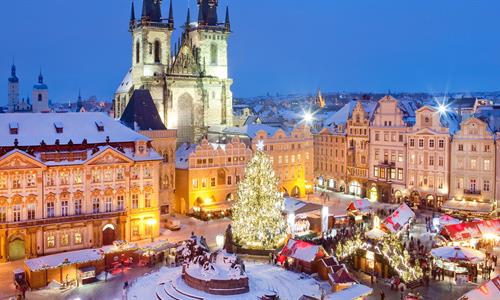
[[189, 82], [330, 158], [73, 181]]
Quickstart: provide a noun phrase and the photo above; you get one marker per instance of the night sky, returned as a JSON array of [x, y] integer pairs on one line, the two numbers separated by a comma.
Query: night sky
[[292, 46]]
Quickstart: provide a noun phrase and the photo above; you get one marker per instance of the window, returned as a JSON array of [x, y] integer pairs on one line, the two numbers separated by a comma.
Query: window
[[78, 238], [77, 177], [472, 185], [431, 160], [135, 201], [486, 186], [50, 209], [203, 182], [376, 171], [441, 161], [78, 207], [460, 147], [229, 180], [377, 137], [377, 154], [157, 51], [96, 176], [400, 156], [31, 211], [473, 163], [237, 179], [431, 143], [96, 205], [135, 229], [147, 199], [108, 175], [386, 137], [119, 174], [213, 54], [3, 182], [51, 241], [212, 181], [400, 138], [16, 182], [441, 143], [16, 213], [40, 98], [137, 52], [473, 148], [3, 214], [195, 183], [487, 148], [120, 202], [147, 172], [400, 174], [487, 165], [63, 178], [134, 173], [50, 179], [108, 204], [440, 182], [420, 143], [460, 183], [64, 239], [30, 180], [393, 173], [64, 208]]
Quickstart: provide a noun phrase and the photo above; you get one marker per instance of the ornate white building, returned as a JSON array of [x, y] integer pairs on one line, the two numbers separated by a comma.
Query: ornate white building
[[188, 82]]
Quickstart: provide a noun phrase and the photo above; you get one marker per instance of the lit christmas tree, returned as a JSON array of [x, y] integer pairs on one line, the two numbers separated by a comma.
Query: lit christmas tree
[[258, 221]]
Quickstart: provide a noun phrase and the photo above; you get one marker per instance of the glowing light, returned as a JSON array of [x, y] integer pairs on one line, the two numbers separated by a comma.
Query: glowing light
[[308, 117], [219, 241], [151, 222], [376, 222], [260, 145]]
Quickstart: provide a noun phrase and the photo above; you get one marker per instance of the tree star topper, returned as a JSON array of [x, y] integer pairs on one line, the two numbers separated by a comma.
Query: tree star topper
[[260, 145]]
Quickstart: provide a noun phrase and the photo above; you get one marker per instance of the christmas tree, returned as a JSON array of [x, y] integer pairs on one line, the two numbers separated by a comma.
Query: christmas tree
[[257, 213]]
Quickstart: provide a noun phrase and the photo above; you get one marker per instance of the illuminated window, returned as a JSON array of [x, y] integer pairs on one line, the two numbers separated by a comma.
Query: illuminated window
[[31, 211], [30, 180], [147, 172], [120, 202], [487, 165], [64, 208], [195, 183], [78, 207], [78, 238], [203, 182], [3, 214], [16, 182], [96, 205], [119, 174], [51, 241], [108, 175], [64, 239], [63, 178], [108, 204], [147, 199], [50, 209], [135, 201], [77, 177], [3, 182], [16, 213]]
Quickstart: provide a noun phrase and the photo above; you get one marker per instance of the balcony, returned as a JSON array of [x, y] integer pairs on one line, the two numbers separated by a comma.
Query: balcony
[[473, 192]]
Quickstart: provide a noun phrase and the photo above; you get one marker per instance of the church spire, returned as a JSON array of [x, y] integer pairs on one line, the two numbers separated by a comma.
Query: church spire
[[132, 16], [171, 16], [228, 22], [208, 12], [40, 77], [188, 18]]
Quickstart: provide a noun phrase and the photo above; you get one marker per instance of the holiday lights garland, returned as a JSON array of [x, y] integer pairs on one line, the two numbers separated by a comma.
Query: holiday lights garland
[[258, 221]]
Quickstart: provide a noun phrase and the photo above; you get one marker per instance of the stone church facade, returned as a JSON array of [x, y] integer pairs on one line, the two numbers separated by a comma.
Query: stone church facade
[[189, 82]]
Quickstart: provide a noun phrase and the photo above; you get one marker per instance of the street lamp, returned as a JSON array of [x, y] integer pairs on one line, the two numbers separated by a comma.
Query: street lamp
[[151, 223]]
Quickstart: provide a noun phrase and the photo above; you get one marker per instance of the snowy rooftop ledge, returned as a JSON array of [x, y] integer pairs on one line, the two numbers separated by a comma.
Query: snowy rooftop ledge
[[65, 258]]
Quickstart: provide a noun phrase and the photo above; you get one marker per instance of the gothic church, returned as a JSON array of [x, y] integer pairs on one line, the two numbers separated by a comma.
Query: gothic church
[[188, 82]]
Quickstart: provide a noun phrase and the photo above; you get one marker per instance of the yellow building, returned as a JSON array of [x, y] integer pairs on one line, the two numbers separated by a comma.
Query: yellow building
[[207, 175], [73, 181]]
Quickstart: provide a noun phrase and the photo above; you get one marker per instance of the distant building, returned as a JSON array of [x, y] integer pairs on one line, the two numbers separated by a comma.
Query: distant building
[[74, 181], [330, 158], [40, 95]]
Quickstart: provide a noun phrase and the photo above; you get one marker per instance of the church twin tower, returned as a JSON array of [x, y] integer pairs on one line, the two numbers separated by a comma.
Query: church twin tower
[[188, 82]]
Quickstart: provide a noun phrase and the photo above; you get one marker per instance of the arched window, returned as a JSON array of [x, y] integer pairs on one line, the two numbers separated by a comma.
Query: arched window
[[137, 52], [213, 54], [157, 51], [39, 97]]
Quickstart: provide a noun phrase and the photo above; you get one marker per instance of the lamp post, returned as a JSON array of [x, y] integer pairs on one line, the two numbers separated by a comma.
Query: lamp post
[[151, 223]]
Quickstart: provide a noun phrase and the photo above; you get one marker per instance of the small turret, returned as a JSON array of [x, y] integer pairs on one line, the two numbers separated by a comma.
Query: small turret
[[40, 78], [208, 12], [13, 77], [228, 21], [171, 16]]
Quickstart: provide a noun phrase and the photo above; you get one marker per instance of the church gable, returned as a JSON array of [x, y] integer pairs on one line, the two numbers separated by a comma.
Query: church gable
[[185, 62], [19, 160]]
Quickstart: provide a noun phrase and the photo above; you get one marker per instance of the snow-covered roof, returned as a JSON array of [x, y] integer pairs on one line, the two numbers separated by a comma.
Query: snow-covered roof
[[35, 127], [355, 291], [182, 155], [126, 83], [302, 250], [468, 206], [65, 258], [399, 218], [487, 291]]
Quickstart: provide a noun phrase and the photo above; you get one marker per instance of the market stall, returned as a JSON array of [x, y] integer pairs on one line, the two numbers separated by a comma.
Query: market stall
[[301, 256], [467, 208], [399, 219], [457, 261], [359, 208], [63, 267], [155, 252], [488, 291], [304, 218], [118, 255], [444, 220], [479, 234]]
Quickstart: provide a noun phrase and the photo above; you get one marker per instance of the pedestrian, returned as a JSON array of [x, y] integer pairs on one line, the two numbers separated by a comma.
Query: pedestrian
[[105, 275], [382, 294], [124, 290]]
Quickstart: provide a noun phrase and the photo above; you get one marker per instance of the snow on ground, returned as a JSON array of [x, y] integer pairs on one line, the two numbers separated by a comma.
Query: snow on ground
[[263, 278]]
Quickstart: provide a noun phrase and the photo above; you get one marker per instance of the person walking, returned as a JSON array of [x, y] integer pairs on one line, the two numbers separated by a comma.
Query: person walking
[[124, 290], [382, 294]]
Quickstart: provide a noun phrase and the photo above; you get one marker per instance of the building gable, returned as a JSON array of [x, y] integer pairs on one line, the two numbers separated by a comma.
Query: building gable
[[109, 156], [19, 160]]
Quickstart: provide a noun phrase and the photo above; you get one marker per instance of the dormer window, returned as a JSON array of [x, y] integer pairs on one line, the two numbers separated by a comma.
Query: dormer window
[[59, 127], [100, 126], [13, 128]]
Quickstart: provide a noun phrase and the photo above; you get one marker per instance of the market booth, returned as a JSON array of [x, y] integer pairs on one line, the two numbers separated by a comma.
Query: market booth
[[302, 256], [488, 291], [82, 266], [399, 219], [457, 261], [468, 208], [480, 234], [359, 208], [304, 218]]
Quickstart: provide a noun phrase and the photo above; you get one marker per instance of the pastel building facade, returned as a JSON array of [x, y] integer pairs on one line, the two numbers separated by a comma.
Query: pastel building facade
[[73, 181], [330, 158]]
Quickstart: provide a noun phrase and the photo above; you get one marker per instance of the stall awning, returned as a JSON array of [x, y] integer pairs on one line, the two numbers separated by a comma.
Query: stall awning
[[399, 218], [470, 206], [471, 230], [293, 205], [219, 206], [361, 205]]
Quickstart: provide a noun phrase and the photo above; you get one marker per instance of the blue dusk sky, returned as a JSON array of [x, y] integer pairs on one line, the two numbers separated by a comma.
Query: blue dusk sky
[[285, 46]]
